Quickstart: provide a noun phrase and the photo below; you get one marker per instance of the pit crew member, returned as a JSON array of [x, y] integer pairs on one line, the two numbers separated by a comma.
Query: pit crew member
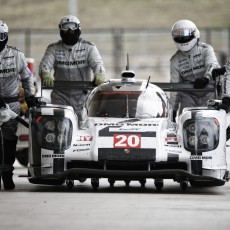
[[72, 58], [192, 62], [13, 71]]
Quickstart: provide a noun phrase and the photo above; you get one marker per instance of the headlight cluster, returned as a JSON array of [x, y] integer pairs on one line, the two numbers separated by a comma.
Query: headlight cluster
[[201, 134], [56, 132]]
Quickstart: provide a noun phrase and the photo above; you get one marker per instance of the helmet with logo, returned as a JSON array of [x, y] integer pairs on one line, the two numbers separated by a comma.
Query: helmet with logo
[[70, 29], [3, 31], [185, 34]]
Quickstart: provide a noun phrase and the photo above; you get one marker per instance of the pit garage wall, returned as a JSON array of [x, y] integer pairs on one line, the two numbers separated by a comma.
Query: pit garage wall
[[149, 50]]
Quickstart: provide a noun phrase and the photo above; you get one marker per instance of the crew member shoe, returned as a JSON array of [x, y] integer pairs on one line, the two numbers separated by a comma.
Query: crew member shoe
[[7, 179]]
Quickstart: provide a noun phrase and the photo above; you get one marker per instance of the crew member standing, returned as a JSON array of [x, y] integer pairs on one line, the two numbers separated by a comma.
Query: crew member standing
[[13, 71], [193, 62], [72, 58]]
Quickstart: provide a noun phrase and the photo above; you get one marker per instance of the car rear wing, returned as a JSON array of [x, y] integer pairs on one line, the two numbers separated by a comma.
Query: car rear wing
[[183, 87]]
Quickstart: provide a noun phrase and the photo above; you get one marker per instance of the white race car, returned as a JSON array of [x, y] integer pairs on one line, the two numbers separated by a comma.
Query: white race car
[[127, 134]]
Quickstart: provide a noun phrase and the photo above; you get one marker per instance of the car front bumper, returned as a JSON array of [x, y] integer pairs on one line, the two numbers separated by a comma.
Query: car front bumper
[[175, 174]]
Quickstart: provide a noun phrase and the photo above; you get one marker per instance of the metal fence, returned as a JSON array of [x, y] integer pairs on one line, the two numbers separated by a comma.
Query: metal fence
[[149, 50]]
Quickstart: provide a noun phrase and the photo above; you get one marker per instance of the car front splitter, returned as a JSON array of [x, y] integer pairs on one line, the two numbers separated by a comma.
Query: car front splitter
[[175, 174]]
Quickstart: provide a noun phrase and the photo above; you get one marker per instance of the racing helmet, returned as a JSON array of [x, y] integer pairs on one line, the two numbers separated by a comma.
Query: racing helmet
[[70, 29], [3, 30], [69, 22], [185, 34]]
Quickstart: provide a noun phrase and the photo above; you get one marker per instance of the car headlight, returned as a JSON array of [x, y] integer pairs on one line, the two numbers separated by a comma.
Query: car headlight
[[55, 133], [50, 137], [192, 127], [204, 139], [192, 140], [201, 134], [50, 125]]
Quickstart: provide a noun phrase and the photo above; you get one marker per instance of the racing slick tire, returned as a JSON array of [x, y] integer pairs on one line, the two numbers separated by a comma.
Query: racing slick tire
[[95, 183], [142, 182], [184, 185], [127, 182], [111, 182], [159, 184], [70, 184]]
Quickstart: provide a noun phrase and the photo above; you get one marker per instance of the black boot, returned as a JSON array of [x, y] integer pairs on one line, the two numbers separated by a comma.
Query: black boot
[[7, 178], [9, 158]]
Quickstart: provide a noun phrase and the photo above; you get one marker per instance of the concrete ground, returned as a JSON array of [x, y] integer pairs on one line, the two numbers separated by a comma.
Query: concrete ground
[[39, 207]]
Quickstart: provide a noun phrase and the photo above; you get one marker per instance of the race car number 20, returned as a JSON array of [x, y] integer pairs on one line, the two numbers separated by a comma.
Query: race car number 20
[[127, 140]]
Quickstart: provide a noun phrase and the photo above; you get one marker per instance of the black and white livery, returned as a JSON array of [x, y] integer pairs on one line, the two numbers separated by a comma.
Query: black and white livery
[[127, 134]]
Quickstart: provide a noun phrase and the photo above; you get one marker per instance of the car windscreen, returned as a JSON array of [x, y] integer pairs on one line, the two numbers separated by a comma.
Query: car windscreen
[[130, 104]]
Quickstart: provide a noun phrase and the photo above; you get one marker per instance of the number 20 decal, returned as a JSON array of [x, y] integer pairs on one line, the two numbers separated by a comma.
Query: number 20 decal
[[127, 140]]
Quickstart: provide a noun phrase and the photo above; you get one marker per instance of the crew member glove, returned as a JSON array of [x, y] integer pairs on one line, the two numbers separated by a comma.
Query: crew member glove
[[200, 82], [30, 101], [47, 79], [226, 103], [217, 72], [99, 78]]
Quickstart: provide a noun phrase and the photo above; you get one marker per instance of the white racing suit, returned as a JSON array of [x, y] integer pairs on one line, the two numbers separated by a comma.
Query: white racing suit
[[185, 67], [226, 79], [71, 63], [13, 72]]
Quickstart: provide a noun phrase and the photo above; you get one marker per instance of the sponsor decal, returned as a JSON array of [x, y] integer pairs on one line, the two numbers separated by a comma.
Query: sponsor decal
[[109, 124], [141, 124], [120, 124], [196, 157], [9, 57], [80, 150], [109, 131], [58, 155], [128, 129], [171, 139], [11, 70], [121, 92], [53, 156], [84, 138], [70, 63], [81, 145], [60, 55], [127, 141], [190, 70], [173, 151], [172, 145]]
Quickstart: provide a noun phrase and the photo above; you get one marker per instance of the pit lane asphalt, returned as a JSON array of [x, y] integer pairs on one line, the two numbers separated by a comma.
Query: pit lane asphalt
[[39, 207]]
